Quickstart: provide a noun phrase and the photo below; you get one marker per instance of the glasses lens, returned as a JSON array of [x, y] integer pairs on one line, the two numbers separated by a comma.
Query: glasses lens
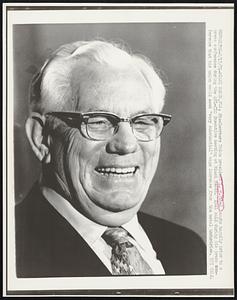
[[147, 128], [99, 127]]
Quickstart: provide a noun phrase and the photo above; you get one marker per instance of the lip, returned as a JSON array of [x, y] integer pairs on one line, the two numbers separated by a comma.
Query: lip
[[117, 170], [117, 166]]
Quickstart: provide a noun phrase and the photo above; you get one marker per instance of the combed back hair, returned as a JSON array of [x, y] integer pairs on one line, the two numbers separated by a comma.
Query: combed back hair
[[51, 88]]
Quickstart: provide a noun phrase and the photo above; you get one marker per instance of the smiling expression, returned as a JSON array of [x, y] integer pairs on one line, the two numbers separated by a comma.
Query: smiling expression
[[107, 180]]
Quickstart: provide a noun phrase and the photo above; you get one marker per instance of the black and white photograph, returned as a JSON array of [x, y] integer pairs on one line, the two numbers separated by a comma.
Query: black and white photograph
[[111, 152]]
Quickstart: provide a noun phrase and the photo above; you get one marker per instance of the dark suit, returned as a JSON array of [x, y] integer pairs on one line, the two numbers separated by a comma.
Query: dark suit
[[48, 246]]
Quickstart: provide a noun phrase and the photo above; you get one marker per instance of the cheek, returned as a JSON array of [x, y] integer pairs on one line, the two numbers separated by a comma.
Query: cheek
[[65, 152], [73, 154], [82, 156], [72, 157], [151, 153]]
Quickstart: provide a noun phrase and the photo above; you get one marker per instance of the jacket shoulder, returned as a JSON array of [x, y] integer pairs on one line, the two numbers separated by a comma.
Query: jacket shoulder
[[180, 249], [47, 245]]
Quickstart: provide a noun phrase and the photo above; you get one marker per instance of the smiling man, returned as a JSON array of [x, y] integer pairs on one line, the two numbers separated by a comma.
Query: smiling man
[[95, 125]]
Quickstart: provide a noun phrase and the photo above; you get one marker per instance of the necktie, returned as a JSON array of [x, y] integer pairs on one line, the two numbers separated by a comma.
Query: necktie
[[125, 257]]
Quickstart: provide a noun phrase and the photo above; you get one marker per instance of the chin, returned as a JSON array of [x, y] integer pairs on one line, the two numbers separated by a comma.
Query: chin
[[113, 219], [109, 207], [115, 212], [115, 201]]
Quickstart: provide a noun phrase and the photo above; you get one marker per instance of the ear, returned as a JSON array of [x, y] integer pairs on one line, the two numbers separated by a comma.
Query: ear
[[34, 131]]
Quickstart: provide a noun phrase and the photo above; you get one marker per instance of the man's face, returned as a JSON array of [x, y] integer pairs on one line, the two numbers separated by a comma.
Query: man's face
[[107, 180]]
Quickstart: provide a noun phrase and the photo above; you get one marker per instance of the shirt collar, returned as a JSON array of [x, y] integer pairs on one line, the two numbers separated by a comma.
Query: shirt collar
[[89, 230], [136, 231]]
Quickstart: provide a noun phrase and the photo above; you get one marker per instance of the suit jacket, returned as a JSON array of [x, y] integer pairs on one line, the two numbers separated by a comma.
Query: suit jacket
[[48, 246]]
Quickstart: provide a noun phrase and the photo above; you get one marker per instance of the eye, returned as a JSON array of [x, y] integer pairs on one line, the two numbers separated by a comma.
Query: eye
[[70, 121], [145, 121], [98, 123]]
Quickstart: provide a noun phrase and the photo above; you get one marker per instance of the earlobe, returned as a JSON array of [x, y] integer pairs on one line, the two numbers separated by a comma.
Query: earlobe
[[34, 131]]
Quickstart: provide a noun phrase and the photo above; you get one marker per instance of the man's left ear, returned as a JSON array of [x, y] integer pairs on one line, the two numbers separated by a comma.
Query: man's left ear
[[35, 132]]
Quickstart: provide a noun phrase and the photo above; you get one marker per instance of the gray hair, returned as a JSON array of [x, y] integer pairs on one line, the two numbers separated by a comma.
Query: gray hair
[[51, 87]]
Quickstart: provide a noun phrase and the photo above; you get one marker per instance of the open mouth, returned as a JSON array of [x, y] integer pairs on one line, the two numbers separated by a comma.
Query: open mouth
[[119, 172]]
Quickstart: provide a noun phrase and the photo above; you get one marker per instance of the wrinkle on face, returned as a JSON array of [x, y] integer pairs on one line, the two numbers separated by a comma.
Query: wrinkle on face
[[104, 82], [61, 136], [106, 200]]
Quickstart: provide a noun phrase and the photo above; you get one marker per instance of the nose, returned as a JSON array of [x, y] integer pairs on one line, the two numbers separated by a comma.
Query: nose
[[124, 141]]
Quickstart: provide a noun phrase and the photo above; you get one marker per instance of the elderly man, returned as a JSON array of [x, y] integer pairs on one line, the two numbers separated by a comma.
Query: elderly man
[[95, 125]]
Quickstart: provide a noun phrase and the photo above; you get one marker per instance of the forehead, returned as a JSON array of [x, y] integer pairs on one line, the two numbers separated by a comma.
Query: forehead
[[104, 88]]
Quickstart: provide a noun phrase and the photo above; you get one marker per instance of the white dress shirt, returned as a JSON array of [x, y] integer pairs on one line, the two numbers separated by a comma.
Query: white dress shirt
[[92, 232]]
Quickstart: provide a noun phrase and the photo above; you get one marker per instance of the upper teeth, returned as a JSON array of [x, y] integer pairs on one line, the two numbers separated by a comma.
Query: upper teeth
[[117, 170]]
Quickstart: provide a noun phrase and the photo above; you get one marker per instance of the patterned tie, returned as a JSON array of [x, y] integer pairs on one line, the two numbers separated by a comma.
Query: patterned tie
[[125, 258]]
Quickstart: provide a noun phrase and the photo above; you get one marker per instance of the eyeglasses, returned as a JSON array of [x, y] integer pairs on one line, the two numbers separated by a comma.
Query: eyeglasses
[[101, 126]]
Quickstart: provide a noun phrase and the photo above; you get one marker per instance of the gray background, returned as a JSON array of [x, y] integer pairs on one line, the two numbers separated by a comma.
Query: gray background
[[178, 190]]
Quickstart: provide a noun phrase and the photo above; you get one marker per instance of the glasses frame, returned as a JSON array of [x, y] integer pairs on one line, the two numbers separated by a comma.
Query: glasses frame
[[84, 117]]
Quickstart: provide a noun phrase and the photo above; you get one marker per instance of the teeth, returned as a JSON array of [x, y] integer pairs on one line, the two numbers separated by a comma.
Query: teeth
[[117, 171]]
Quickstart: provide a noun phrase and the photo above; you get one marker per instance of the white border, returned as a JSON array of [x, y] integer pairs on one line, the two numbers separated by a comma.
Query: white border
[[206, 5], [223, 18]]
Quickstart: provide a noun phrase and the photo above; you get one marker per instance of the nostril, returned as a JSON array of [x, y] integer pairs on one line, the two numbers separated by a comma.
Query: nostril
[[123, 141], [121, 147]]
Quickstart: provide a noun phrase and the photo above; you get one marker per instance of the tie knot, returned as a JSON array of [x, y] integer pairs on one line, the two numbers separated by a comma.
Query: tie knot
[[116, 235]]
